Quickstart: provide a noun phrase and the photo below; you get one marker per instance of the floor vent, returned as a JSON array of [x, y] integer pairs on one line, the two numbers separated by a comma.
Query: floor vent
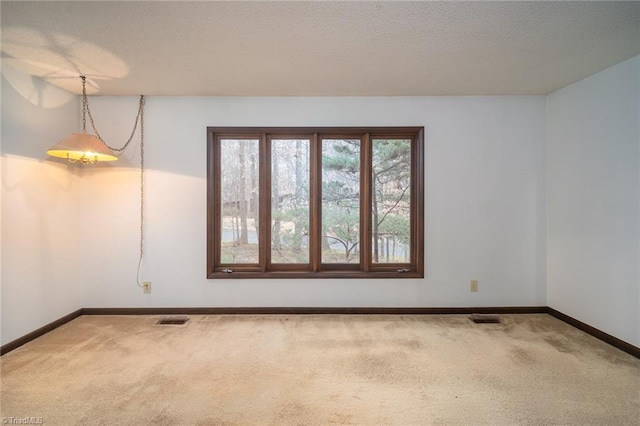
[[172, 321], [485, 318]]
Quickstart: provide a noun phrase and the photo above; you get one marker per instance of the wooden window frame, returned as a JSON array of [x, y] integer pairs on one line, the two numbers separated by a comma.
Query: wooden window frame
[[315, 269]]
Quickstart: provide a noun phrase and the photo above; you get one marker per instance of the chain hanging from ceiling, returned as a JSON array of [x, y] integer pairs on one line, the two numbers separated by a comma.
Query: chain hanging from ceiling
[[139, 120]]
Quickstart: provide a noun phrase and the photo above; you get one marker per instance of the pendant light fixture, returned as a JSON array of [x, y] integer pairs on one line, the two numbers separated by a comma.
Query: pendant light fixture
[[90, 148]]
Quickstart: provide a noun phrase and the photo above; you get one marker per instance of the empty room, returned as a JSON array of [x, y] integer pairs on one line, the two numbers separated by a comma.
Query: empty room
[[320, 213]]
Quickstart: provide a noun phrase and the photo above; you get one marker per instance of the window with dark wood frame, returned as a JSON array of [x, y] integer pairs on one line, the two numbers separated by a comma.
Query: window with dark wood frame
[[328, 202]]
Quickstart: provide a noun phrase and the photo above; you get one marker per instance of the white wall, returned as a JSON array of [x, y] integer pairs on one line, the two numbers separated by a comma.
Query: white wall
[[40, 207], [593, 190], [485, 203]]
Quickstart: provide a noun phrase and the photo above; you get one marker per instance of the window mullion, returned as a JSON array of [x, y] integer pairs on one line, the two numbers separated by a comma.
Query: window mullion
[[264, 224], [365, 202], [315, 204]]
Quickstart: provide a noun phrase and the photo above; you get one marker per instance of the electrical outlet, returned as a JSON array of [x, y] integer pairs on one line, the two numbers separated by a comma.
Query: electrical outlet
[[146, 286], [473, 286]]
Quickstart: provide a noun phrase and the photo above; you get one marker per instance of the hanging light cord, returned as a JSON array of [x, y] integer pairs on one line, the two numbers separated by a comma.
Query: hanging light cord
[[141, 116], [139, 119]]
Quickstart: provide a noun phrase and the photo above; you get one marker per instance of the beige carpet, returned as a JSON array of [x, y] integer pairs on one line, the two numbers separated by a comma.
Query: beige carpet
[[320, 370]]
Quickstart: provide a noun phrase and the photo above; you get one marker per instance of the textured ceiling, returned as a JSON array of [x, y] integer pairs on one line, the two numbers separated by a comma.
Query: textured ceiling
[[317, 48]]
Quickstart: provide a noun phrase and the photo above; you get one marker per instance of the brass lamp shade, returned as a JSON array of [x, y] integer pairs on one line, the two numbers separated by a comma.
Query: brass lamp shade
[[82, 147]]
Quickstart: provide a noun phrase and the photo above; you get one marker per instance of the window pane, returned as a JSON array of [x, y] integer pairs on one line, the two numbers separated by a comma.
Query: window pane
[[289, 201], [340, 201], [239, 200], [391, 199]]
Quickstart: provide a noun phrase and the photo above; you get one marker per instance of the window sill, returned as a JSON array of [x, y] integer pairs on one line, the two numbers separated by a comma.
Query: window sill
[[314, 275]]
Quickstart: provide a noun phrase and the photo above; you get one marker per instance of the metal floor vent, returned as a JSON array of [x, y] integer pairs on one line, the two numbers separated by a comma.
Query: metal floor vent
[[173, 321], [485, 318]]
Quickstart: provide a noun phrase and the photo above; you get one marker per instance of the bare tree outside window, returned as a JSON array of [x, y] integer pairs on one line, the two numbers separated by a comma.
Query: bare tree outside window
[[340, 200], [391, 206], [238, 236], [289, 201]]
